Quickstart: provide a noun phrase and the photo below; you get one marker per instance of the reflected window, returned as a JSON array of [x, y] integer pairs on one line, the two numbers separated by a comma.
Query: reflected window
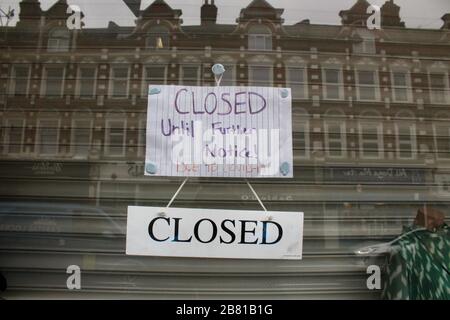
[[14, 132], [259, 38], [401, 86], [439, 87], [301, 138], [371, 137], [406, 140], [364, 42], [442, 139], [58, 40], [19, 81], [142, 137], [332, 83], [115, 137], [86, 81], [228, 78], [157, 38], [47, 139], [261, 76], [335, 136], [155, 74], [81, 137], [296, 80], [54, 81], [119, 82], [190, 75], [367, 85]]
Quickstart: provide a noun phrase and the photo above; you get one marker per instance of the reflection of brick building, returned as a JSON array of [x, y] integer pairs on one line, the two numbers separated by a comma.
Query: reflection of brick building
[[366, 105]]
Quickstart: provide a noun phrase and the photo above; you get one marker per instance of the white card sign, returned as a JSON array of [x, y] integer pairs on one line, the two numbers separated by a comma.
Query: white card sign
[[219, 132], [205, 233]]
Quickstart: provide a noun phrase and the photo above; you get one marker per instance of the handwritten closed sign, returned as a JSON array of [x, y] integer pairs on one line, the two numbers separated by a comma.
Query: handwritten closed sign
[[219, 132]]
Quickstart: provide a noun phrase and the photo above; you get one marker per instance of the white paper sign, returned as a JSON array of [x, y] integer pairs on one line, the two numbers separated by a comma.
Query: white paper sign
[[205, 233], [219, 132]]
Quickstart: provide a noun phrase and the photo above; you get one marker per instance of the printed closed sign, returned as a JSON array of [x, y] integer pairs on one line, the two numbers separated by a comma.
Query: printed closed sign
[[219, 132], [205, 233]]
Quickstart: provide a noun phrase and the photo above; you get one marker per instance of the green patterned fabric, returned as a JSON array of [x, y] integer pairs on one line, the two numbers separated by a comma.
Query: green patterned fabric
[[418, 266]]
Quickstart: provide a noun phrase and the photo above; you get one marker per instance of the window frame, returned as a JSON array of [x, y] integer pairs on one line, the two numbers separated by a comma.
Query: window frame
[[304, 84], [343, 138], [375, 86], [73, 134], [38, 136], [407, 87], [380, 139], [412, 134], [145, 83], [80, 79], [339, 84], [7, 136], [107, 150], [13, 80], [112, 80], [45, 79]]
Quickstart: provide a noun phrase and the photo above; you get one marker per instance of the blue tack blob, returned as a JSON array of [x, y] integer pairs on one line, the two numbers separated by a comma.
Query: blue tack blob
[[218, 69], [150, 168], [285, 168], [284, 93], [154, 91]]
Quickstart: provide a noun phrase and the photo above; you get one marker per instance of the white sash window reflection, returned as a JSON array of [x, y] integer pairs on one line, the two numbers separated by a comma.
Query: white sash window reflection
[[335, 134], [58, 40], [190, 75], [259, 38], [367, 85], [81, 136], [119, 81], [439, 87], [20, 80], [14, 132], [115, 142], [371, 136], [48, 137], [401, 86], [153, 74], [301, 132], [53, 85], [441, 130], [296, 80], [405, 131], [86, 81], [332, 79]]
